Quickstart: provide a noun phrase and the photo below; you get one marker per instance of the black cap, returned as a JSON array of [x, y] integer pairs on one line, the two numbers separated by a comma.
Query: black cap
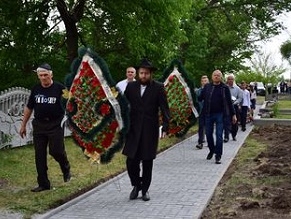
[[45, 66]]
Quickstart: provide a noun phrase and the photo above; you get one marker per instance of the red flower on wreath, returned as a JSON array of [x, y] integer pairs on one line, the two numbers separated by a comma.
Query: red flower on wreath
[[104, 109], [95, 82], [113, 126], [101, 94], [171, 78], [70, 107], [107, 140]]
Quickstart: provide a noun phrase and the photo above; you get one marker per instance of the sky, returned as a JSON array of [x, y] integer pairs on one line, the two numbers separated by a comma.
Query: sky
[[272, 46]]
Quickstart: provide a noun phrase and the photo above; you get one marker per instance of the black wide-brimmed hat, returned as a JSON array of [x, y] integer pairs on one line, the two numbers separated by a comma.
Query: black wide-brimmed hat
[[145, 63]]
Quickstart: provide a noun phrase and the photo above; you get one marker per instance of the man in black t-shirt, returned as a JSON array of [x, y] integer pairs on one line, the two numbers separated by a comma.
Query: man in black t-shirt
[[45, 101]]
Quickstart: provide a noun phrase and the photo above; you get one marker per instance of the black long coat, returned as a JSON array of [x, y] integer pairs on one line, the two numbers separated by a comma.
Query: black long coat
[[143, 136]]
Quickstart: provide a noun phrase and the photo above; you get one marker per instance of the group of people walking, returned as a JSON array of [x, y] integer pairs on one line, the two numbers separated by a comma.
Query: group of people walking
[[225, 106], [285, 87], [146, 99], [221, 105]]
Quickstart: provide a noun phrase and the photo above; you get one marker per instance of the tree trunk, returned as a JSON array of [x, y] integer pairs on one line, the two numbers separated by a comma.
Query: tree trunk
[[70, 18], [71, 41]]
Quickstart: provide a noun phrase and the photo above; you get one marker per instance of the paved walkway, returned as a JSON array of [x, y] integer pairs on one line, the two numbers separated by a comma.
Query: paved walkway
[[183, 184]]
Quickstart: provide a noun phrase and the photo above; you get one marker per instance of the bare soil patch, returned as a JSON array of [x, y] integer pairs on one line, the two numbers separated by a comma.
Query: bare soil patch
[[3, 183], [257, 185]]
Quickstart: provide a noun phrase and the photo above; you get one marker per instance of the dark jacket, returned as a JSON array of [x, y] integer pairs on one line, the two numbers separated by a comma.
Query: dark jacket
[[206, 95], [142, 138]]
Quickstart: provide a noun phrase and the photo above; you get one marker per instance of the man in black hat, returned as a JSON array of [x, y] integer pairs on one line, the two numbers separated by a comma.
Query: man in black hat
[[146, 98], [45, 101]]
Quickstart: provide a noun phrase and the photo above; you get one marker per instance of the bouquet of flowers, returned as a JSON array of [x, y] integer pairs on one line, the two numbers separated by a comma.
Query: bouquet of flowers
[[95, 111]]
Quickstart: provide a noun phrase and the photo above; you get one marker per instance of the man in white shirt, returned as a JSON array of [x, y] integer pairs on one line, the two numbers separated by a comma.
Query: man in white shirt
[[130, 76], [245, 106]]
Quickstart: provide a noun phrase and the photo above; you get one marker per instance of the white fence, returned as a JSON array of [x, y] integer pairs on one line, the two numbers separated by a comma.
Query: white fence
[[12, 102]]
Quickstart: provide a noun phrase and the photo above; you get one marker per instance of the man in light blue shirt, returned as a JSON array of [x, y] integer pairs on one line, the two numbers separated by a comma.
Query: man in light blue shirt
[[236, 95]]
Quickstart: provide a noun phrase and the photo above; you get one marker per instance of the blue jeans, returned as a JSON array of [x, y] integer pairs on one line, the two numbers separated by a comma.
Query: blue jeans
[[210, 120]]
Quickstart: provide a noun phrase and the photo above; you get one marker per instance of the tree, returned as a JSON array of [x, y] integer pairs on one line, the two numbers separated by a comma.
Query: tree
[[203, 34], [70, 16], [221, 34], [26, 40], [144, 29], [285, 50], [263, 65], [248, 76]]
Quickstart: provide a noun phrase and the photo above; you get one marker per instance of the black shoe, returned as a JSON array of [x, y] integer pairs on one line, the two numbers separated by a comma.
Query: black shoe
[[218, 159], [134, 193], [199, 146], [243, 129], [67, 177], [146, 197], [225, 140], [209, 156], [40, 188]]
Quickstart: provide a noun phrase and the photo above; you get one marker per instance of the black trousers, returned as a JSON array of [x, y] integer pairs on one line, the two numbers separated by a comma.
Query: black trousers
[[48, 134], [230, 127], [201, 128], [243, 116], [143, 182]]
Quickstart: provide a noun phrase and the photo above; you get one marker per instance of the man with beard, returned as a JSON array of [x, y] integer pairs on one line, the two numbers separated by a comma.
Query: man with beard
[[146, 97]]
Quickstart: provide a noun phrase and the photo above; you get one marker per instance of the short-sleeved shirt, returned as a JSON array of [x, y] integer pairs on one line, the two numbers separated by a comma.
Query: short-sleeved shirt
[[46, 101], [121, 85]]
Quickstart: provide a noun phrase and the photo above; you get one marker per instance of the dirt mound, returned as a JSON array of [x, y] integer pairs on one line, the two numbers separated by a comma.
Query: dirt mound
[[263, 187]]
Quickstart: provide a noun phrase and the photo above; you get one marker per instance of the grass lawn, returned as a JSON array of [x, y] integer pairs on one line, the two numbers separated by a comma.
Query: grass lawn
[[18, 176], [281, 104], [283, 116], [284, 104]]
